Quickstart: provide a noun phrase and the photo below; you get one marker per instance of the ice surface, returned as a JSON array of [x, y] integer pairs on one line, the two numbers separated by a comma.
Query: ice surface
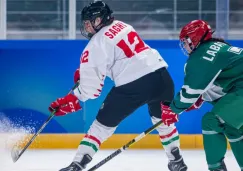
[[130, 160], [54, 160]]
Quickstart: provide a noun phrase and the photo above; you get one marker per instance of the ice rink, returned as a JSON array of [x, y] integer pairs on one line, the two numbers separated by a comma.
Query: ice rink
[[130, 160]]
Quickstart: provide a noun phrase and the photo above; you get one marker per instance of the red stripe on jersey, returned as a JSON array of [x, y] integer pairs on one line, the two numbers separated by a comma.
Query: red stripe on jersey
[[92, 138], [168, 135]]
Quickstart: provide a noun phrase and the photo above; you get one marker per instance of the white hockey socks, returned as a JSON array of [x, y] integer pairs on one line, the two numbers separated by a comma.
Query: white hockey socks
[[96, 135], [169, 137]]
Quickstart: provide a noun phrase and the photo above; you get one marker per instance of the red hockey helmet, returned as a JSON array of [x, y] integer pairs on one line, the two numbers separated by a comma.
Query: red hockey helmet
[[193, 34]]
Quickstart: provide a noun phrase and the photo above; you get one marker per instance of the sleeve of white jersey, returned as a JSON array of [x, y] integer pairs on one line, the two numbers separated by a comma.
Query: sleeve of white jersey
[[92, 72]]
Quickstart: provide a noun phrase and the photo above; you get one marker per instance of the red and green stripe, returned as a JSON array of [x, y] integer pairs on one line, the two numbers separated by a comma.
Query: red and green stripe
[[169, 138], [92, 142]]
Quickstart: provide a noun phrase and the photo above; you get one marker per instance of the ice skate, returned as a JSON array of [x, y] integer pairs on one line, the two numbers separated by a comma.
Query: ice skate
[[177, 164], [222, 167], [78, 166]]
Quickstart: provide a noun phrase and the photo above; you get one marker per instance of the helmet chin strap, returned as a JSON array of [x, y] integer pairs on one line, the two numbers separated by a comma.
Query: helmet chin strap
[[101, 25], [98, 27]]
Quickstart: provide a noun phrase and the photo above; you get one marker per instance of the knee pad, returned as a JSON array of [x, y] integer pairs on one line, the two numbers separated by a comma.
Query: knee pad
[[211, 124], [100, 131]]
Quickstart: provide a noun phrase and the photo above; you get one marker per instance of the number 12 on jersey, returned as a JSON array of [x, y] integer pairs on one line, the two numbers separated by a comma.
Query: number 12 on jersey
[[133, 38]]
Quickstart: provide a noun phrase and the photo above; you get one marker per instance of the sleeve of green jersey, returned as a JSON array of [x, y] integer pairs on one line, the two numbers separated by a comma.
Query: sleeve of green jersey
[[200, 74]]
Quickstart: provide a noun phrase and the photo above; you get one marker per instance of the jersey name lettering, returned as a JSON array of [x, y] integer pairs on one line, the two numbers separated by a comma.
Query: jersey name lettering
[[115, 29], [213, 51], [220, 44]]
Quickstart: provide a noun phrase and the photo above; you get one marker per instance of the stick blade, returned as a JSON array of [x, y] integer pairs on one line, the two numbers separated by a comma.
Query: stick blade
[[15, 154]]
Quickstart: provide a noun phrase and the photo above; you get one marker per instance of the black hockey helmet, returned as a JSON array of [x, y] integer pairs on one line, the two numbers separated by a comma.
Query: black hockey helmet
[[91, 12]]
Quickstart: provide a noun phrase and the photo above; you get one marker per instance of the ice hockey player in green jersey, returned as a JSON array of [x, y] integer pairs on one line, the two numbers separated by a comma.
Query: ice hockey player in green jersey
[[213, 73]]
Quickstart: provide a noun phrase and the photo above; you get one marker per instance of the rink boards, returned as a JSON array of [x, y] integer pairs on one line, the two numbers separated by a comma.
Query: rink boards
[[70, 141]]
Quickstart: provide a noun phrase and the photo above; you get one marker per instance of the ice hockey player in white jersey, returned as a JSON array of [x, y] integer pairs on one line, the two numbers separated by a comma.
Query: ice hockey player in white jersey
[[140, 76]]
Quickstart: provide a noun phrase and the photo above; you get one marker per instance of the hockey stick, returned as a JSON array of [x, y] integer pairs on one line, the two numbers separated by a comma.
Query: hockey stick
[[130, 143], [16, 153]]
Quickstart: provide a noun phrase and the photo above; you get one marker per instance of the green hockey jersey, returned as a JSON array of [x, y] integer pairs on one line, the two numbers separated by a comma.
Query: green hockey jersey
[[212, 71]]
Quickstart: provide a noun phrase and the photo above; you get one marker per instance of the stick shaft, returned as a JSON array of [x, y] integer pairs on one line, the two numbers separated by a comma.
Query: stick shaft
[[42, 127], [129, 144], [36, 134]]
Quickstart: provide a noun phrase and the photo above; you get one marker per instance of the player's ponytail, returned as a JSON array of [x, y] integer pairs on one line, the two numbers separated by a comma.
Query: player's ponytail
[[220, 40], [216, 39]]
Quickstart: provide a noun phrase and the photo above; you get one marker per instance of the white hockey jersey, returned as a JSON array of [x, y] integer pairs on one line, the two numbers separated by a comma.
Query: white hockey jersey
[[118, 52]]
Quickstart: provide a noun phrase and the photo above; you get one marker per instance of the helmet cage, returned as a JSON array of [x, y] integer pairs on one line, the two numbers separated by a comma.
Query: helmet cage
[[87, 34], [183, 43]]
